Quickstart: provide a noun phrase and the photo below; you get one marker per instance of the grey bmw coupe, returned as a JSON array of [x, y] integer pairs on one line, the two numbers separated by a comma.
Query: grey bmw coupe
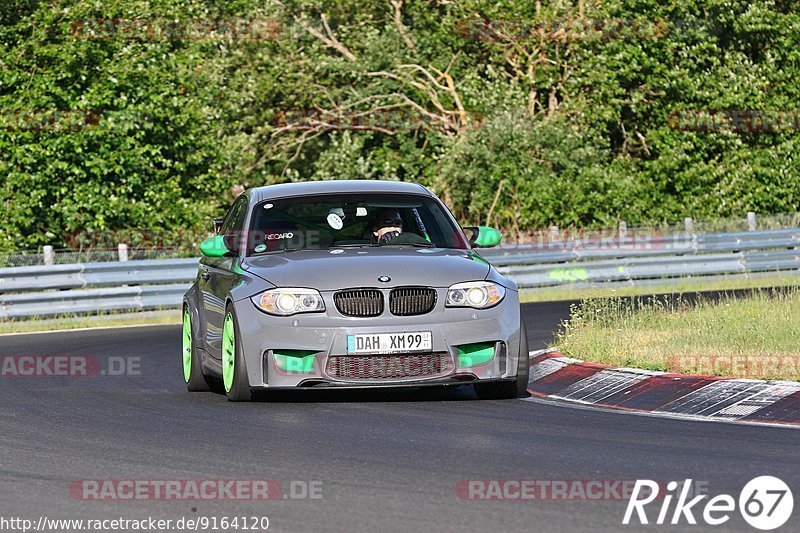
[[350, 284]]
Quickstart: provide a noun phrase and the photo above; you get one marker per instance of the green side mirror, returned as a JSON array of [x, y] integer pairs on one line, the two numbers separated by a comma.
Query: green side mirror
[[214, 247], [484, 236]]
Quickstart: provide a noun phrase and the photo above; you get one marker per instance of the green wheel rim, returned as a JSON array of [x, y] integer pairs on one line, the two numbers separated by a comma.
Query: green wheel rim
[[228, 352], [187, 346]]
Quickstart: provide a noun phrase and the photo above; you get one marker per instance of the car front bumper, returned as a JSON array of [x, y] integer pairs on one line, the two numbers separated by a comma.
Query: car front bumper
[[273, 345]]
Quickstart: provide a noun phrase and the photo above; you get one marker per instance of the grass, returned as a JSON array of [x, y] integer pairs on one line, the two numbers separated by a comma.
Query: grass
[[725, 283], [97, 321], [753, 336]]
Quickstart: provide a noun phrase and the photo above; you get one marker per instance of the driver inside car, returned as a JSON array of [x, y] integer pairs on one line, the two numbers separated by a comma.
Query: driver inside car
[[388, 225]]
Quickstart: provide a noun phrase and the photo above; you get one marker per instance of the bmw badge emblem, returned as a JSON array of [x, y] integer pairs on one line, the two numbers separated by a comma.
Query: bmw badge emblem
[[384, 279]]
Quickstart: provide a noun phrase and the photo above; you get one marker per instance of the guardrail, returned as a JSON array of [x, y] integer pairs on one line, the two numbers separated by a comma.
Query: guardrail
[[648, 245], [663, 258], [41, 291]]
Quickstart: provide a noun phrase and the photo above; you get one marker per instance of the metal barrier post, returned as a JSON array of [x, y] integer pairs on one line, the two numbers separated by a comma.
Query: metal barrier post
[[49, 256]]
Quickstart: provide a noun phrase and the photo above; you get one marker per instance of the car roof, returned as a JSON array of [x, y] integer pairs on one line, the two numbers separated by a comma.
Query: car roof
[[336, 186]]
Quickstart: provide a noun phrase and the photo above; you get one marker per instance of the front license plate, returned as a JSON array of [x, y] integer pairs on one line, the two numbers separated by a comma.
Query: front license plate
[[417, 341]]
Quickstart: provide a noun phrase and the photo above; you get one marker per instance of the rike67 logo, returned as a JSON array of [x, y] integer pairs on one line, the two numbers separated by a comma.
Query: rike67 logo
[[765, 503]]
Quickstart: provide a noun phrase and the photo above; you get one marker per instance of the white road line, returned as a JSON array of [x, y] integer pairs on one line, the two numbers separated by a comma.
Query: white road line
[[89, 329]]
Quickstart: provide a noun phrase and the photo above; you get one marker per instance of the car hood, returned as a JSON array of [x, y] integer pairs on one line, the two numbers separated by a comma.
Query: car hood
[[328, 270]]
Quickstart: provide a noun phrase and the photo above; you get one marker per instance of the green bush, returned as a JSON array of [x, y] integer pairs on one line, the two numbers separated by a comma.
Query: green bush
[[574, 131]]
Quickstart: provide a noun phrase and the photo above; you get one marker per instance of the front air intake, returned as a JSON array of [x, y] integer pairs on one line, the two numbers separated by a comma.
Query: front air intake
[[409, 301], [359, 302]]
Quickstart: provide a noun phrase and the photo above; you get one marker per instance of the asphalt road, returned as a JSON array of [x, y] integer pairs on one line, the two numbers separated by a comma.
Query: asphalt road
[[384, 461]]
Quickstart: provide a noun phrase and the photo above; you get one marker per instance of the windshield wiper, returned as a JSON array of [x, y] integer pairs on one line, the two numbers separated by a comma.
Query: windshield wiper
[[279, 251], [415, 244], [379, 244], [350, 245]]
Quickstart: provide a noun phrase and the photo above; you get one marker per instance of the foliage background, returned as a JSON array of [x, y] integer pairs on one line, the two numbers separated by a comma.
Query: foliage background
[[571, 131]]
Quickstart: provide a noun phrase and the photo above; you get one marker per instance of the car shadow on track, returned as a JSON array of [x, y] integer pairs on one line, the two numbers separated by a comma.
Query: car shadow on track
[[456, 393], [428, 393], [422, 394]]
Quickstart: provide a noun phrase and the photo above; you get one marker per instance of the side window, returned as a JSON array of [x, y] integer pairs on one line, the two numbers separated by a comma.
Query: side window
[[231, 230]]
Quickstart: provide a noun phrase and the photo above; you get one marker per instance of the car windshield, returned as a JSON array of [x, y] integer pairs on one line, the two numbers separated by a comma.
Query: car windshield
[[351, 220]]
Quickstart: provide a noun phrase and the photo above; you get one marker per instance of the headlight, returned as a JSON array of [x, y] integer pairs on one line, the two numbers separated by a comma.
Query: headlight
[[289, 301], [477, 294]]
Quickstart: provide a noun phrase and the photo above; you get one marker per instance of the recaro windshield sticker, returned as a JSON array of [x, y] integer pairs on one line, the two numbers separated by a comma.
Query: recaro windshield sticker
[[278, 236]]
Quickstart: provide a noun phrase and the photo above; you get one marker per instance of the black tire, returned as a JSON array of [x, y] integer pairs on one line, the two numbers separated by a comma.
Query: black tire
[[240, 387], [510, 389], [197, 381]]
